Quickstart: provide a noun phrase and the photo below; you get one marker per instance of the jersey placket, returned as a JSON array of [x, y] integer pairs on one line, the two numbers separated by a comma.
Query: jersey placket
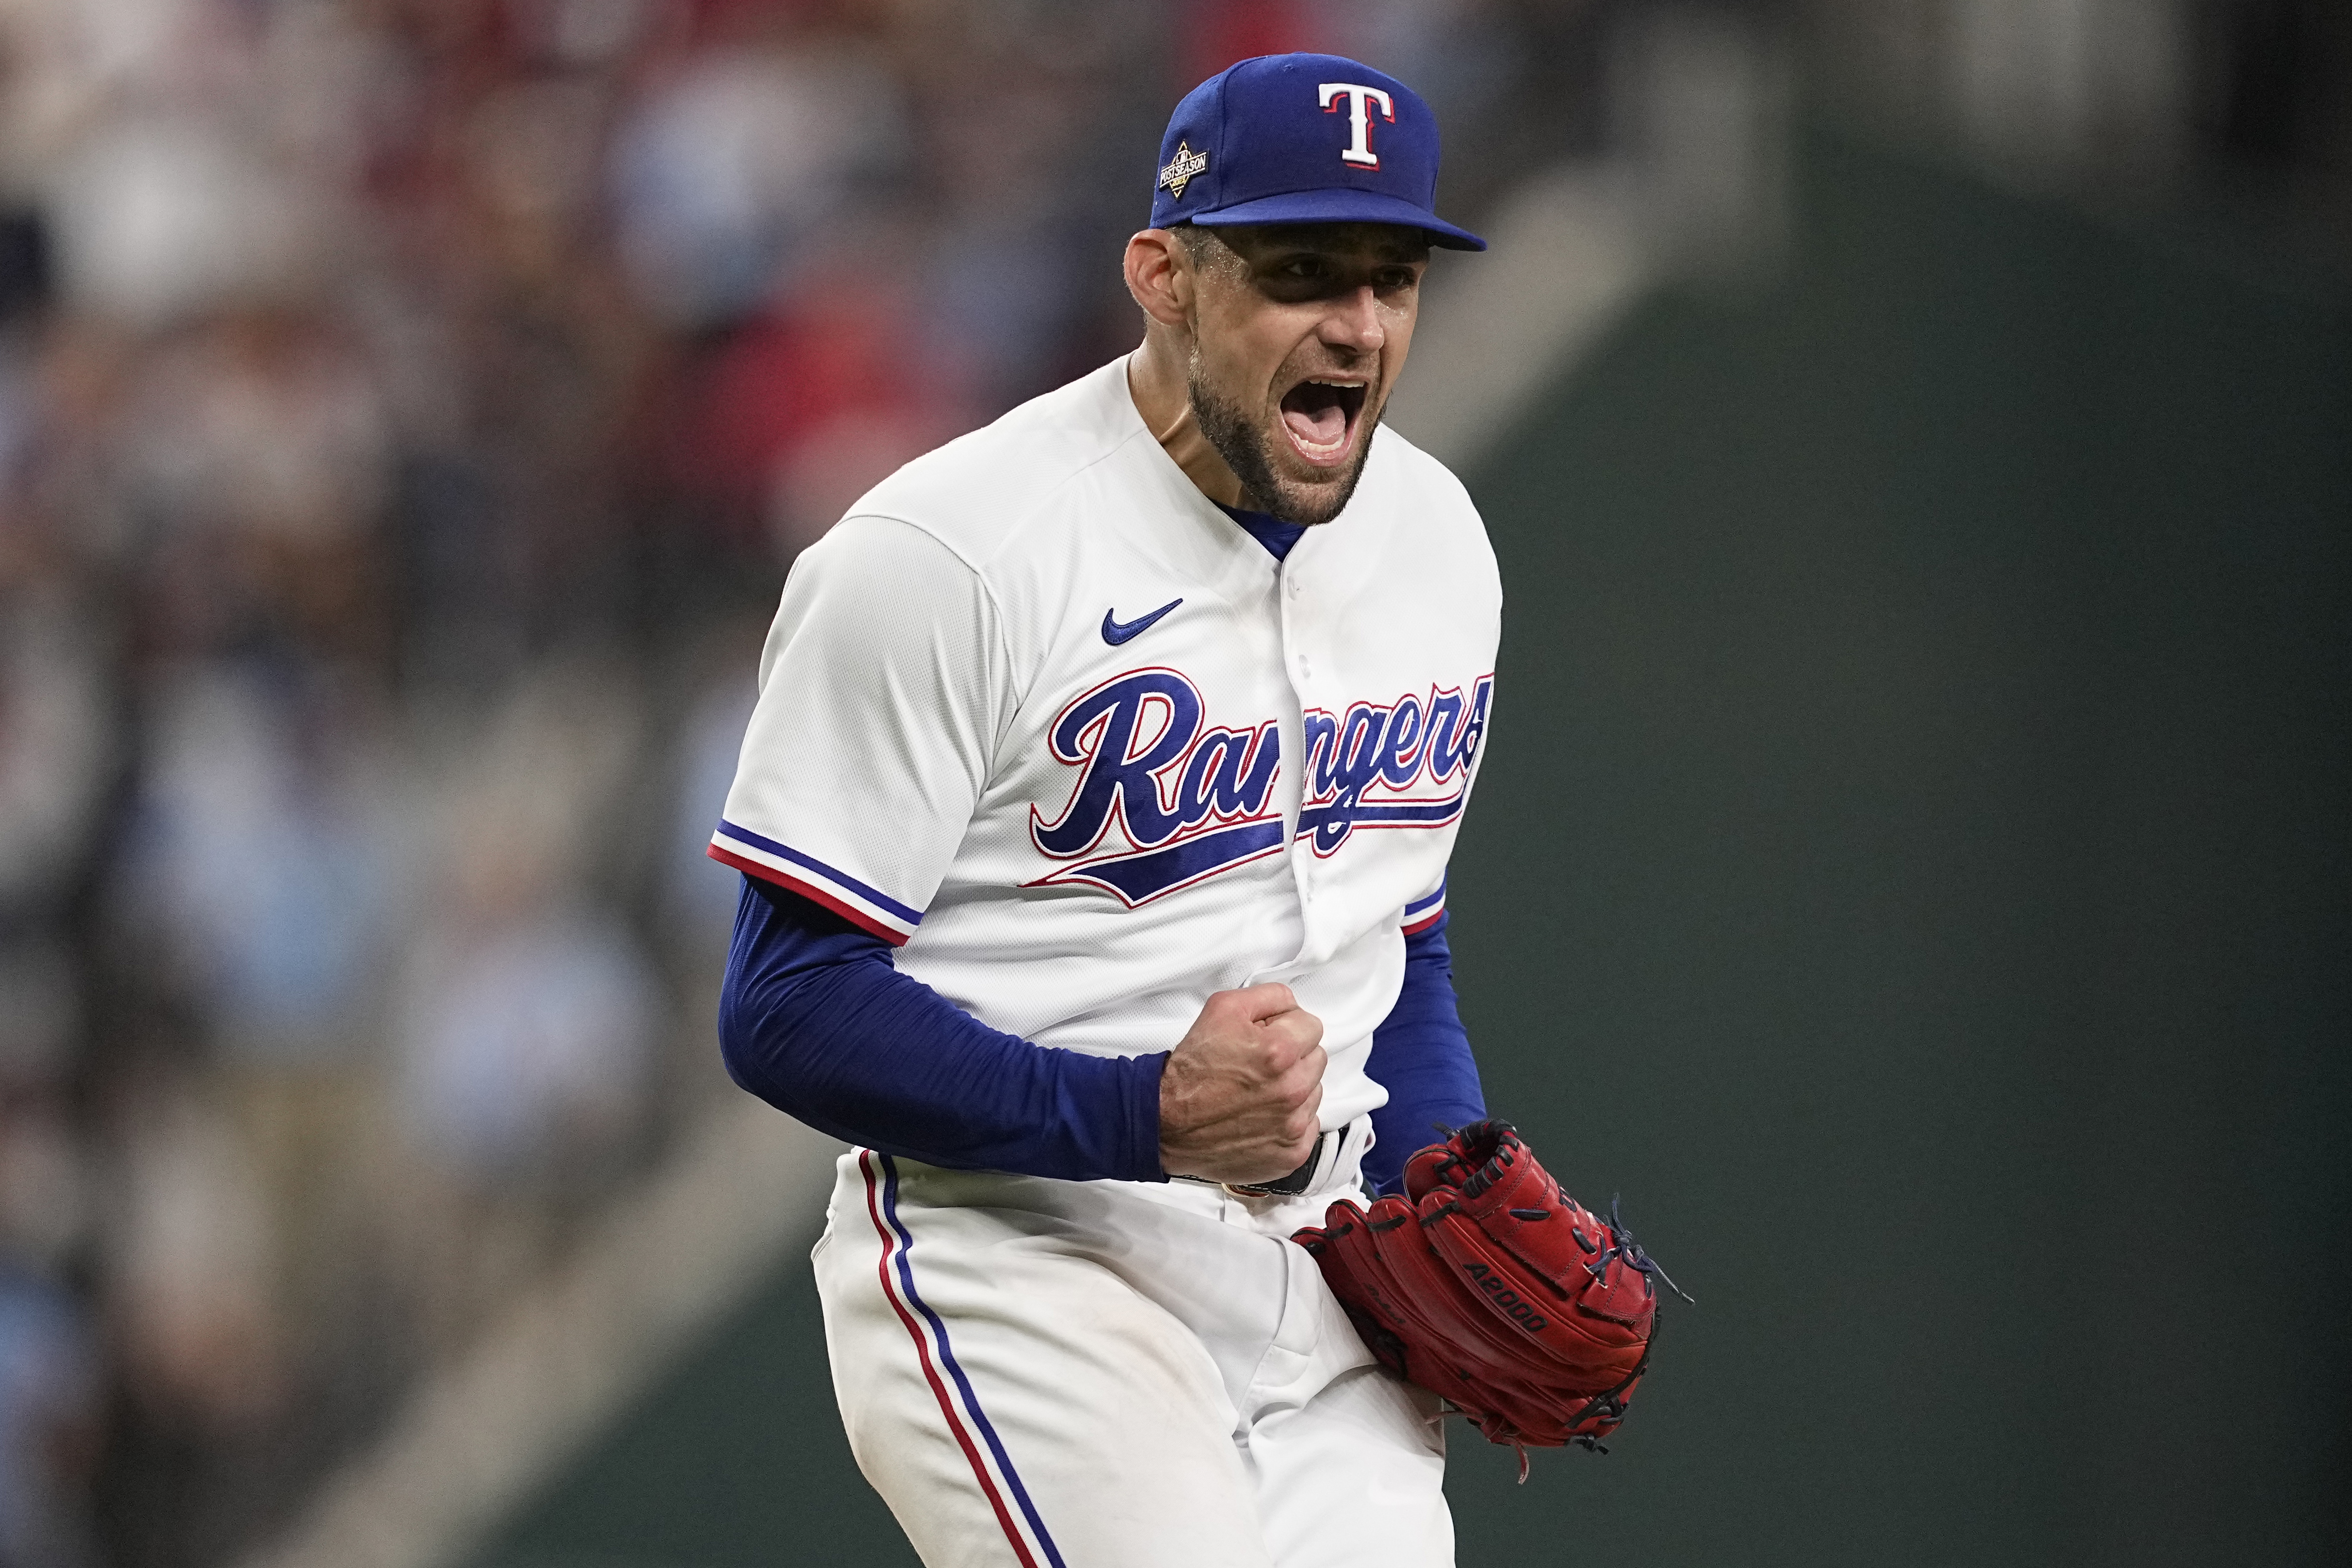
[[1299, 669]]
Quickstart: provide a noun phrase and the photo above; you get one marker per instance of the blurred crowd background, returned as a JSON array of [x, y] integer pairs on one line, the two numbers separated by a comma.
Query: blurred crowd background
[[408, 408]]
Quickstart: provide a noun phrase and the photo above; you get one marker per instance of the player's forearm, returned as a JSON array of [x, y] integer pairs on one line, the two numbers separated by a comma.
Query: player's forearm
[[815, 1021], [1420, 1055]]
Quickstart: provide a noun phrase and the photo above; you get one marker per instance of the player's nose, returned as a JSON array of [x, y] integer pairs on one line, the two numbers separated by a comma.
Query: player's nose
[[1353, 321]]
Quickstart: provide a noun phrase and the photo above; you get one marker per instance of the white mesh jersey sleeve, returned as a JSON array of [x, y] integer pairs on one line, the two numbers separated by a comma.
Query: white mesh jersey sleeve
[[884, 690]]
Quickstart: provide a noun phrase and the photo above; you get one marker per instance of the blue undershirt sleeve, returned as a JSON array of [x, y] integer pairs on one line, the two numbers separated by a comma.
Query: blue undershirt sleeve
[[814, 1019], [1420, 1055]]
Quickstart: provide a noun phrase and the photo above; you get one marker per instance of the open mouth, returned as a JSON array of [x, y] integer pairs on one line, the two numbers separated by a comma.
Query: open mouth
[[1320, 416]]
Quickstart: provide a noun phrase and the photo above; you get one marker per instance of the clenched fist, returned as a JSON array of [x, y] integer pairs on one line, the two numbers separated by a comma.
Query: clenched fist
[[1237, 1100]]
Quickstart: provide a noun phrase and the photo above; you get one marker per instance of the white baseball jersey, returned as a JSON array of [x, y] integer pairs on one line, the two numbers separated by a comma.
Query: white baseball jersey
[[1039, 711]]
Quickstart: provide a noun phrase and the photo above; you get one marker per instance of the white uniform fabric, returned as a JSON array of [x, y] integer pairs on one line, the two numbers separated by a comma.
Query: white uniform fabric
[[1042, 712], [1022, 1394]]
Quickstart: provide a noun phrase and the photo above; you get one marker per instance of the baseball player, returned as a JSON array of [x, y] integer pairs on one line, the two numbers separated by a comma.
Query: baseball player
[[1094, 820]]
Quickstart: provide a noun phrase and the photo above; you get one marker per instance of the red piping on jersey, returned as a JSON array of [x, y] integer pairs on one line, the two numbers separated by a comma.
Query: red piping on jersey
[[811, 892]]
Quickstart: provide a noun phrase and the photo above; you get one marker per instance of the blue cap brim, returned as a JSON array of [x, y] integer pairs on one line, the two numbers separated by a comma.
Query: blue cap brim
[[1343, 207]]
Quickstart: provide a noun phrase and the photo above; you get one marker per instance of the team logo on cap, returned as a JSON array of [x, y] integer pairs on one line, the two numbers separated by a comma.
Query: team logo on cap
[[1180, 169], [1360, 100]]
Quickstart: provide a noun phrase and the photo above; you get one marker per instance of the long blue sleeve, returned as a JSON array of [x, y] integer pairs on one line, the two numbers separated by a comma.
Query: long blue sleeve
[[1420, 1055], [814, 1019]]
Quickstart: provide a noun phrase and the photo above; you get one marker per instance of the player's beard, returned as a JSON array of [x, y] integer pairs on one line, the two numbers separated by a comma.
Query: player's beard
[[1248, 451]]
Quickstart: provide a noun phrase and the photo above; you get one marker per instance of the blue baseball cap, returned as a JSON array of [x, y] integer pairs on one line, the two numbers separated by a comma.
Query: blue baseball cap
[[1302, 139]]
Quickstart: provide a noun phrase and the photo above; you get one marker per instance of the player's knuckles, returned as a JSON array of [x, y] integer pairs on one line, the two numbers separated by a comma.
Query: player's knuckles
[[1225, 1012], [1298, 1033], [1235, 1046], [1301, 1042], [1270, 999], [1249, 1005], [1274, 1055]]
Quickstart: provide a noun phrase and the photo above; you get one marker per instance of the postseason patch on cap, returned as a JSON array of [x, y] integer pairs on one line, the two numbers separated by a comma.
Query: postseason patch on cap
[[1290, 139], [1178, 171]]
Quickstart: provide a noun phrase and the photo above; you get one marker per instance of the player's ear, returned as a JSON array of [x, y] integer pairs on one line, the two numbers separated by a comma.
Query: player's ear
[[1159, 275]]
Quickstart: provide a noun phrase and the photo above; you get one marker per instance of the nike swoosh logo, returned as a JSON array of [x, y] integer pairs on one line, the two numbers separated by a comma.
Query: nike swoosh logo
[[1116, 631]]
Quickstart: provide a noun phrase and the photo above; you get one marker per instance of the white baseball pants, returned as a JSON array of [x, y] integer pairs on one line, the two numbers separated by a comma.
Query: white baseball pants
[[1041, 1373]]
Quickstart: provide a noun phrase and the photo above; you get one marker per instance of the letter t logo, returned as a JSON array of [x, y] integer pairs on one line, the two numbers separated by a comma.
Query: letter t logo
[[1360, 117]]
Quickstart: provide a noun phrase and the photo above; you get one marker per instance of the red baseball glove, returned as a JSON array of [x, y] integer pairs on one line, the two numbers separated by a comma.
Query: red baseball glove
[[1489, 1286]]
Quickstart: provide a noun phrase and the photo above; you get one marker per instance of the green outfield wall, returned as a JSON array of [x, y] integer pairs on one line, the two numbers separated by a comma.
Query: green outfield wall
[[1913, 865]]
